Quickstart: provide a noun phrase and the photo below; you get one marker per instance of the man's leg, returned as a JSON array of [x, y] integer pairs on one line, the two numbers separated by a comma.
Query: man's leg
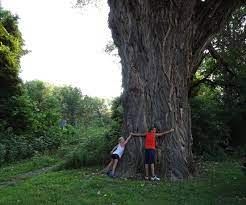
[[146, 164], [114, 166], [146, 170], [152, 166]]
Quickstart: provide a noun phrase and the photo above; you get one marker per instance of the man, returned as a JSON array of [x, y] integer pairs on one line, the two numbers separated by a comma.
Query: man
[[150, 145]]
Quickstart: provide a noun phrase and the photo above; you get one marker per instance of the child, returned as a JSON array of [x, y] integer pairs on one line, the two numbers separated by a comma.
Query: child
[[150, 144], [116, 154]]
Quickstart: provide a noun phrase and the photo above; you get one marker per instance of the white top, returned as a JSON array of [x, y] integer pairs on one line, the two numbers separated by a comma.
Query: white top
[[119, 150]]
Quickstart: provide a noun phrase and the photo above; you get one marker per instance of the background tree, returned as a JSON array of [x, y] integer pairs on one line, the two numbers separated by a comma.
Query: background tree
[[46, 106], [94, 109], [219, 85], [70, 100], [10, 52], [11, 43]]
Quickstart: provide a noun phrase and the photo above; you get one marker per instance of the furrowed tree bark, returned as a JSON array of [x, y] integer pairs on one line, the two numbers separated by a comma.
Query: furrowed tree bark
[[159, 41]]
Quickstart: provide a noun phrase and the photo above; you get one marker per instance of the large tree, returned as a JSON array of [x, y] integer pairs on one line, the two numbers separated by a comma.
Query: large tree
[[160, 42]]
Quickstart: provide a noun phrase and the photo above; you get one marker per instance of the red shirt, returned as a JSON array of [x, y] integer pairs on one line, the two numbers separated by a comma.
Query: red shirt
[[150, 140]]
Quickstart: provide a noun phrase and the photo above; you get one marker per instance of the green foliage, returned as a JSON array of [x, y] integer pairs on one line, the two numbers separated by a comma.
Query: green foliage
[[34, 120], [231, 75], [78, 109], [32, 124], [2, 153], [94, 110], [46, 106], [208, 129], [219, 93], [117, 121], [92, 148], [95, 142], [10, 52], [70, 99], [20, 109], [15, 147]]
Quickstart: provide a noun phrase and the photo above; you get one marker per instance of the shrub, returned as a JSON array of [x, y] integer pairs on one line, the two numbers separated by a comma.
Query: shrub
[[92, 149], [2, 153], [208, 129], [16, 147]]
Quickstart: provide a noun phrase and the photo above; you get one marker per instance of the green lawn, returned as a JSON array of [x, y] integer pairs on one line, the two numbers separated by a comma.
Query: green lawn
[[219, 183], [9, 171]]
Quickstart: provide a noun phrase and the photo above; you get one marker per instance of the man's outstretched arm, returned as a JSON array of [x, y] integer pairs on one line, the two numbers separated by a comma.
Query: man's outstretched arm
[[164, 133], [138, 134]]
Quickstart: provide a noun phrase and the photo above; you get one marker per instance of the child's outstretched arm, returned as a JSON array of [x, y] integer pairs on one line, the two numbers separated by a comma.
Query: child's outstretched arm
[[113, 149], [127, 139], [163, 133]]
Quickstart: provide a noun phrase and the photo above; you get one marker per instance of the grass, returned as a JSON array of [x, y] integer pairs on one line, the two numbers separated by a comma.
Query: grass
[[39, 161], [218, 183]]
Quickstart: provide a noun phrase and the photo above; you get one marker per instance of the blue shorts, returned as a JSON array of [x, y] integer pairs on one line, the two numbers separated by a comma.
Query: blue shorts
[[149, 156]]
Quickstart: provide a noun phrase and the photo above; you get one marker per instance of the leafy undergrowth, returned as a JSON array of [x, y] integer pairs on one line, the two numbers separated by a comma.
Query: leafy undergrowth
[[91, 147], [218, 183]]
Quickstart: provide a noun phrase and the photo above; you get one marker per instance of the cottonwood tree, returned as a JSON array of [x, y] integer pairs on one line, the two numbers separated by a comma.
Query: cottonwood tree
[[159, 42]]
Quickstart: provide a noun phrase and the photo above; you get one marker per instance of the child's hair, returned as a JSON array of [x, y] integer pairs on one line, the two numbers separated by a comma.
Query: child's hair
[[120, 139]]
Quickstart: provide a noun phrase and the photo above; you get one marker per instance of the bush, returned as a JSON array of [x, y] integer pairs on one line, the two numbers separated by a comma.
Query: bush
[[16, 147], [93, 149], [2, 153], [96, 142], [214, 154], [208, 129], [91, 152]]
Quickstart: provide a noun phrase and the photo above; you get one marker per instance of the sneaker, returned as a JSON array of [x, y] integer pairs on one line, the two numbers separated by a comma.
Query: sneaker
[[108, 173], [155, 178], [146, 178], [112, 175]]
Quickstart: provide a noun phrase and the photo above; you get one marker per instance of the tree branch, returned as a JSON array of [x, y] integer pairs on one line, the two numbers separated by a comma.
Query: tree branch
[[209, 17], [221, 83], [219, 58], [199, 62], [198, 82]]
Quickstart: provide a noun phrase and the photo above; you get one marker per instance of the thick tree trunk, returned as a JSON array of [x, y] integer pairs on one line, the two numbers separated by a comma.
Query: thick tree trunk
[[157, 45]]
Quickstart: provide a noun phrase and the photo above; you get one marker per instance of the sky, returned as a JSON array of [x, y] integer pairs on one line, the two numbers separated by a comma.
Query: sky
[[67, 45]]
